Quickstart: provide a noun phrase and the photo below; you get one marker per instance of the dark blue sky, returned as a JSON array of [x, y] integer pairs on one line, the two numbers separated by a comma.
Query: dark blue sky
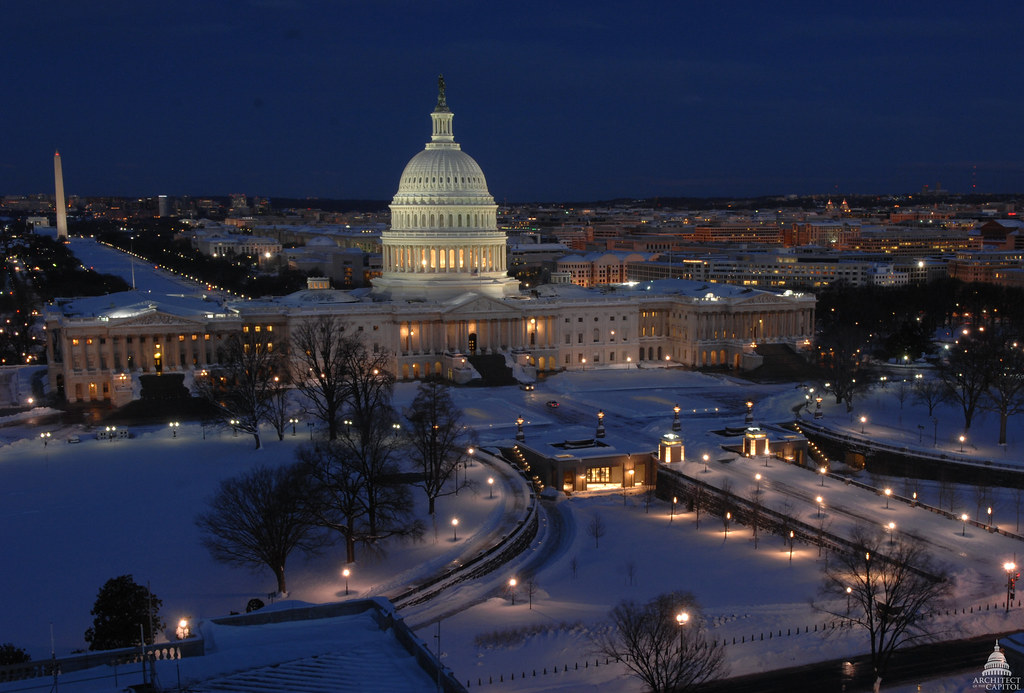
[[555, 100]]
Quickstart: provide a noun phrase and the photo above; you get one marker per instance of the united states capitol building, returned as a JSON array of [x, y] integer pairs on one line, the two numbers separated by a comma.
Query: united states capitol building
[[444, 301]]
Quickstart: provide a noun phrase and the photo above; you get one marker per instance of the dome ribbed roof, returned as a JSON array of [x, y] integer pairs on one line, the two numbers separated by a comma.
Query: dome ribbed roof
[[443, 171]]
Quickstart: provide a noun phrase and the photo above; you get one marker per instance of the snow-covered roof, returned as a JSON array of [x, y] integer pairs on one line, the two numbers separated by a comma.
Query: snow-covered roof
[[129, 304]]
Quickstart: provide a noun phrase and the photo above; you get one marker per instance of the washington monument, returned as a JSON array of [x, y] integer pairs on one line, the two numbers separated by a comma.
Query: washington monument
[[58, 201]]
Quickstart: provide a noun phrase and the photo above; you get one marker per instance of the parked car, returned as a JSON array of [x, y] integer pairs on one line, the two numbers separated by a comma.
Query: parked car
[[552, 404], [527, 386]]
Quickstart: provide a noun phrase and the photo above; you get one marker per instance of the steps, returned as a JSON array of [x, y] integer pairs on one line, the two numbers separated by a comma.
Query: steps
[[492, 369]]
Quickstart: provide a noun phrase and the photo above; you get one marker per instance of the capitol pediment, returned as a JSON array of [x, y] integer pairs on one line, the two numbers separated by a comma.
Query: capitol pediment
[[480, 306], [157, 318]]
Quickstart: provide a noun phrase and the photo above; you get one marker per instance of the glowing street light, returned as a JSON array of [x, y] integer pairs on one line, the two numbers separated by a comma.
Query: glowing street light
[[682, 618], [675, 418], [819, 500], [490, 486], [705, 463], [792, 536], [728, 516], [345, 573], [512, 582], [293, 421], [455, 529], [46, 437], [863, 420], [963, 518], [672, 513], [757, 478], [183, 631], [1011, 581], [174, 428], [891, 527], [962, 439], [750, 412], [888, 492], [990, 518], [823, 471]]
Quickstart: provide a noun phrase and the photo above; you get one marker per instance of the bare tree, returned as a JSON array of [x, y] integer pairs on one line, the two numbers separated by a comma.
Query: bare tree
[[661, 648], [597, 529], [756, 496], [531, 590], [437, 439], [319, 349], [574, 566], [240, 386], [700, 499], [842, 359], [892, 591], [277, 404], [1005, 394], [259, 519], [966, 375], [930, 392]]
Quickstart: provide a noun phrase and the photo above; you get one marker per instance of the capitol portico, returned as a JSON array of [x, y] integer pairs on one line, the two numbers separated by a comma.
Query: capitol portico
[[444, 300]]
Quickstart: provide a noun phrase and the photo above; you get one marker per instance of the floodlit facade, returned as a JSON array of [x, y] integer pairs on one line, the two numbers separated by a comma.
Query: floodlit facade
[[443, 301]]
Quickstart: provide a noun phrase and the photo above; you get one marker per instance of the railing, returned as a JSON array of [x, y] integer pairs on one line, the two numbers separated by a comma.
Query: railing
[[192, 647]]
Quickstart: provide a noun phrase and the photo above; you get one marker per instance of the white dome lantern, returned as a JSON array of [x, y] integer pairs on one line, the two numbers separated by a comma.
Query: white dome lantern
[[444, 239]]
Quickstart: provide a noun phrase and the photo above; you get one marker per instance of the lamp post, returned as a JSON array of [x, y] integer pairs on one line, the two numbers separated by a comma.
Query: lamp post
[[629, 360], [791, 537], [963, 518], [990, 518], [823, 471], [345, 573], [750, 412], [46, 438], [705, 463], [962, 439], [672, 512], [455, 529], [600, 423], [183, 631], [675, 418], [519, 429], [757, 478], [490, 486], [817, 412], [819, 500], [512, 582], [234, 427], [174, 428], [728, 516], [849, 593], [891, 527], [863, 420], [1011, 580], [682, 618], [888, 492], [293, 421]]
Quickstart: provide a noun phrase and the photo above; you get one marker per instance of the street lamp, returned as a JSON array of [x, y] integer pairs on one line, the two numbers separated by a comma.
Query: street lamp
[[728, 516], [174, 428], [183, 631], [791, 537], [962, 439], [990, 518], [819, 500], [891, 526], [863, 420], [345, 573], [672, 513], [490, 486], [705, 463], [888, 492], [849, 593], [963, 518], [757, 478], [629, 360], [46, 437], [293, 421], [519, 429], [512, 582], [675, 418], [823, 471], [234, 427], [1011, 580], [750, 412], [455, 529], [682, 618]]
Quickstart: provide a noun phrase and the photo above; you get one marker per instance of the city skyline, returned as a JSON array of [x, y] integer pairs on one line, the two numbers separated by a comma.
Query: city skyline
[[557, 103]]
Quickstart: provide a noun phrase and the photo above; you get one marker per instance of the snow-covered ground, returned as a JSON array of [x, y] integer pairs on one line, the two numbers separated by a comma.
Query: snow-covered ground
[[75, 515]]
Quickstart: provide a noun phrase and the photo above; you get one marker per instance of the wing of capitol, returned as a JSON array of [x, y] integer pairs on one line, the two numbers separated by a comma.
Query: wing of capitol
[[443, 306]]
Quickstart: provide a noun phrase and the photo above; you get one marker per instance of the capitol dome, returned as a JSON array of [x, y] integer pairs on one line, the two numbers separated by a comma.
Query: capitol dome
[[996, 664], [444, 239]]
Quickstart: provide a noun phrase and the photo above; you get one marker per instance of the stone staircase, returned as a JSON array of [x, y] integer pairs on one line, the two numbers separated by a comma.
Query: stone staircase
[[492, 369], [781, 364]]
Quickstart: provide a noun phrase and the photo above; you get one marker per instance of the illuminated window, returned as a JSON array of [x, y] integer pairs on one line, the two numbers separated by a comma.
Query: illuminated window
[[195, 337], [74, 342], [270, 328], [181, 338], [270, 346], [245, 328], [257, 328], [599, 475], [88, 341], [206, 337]]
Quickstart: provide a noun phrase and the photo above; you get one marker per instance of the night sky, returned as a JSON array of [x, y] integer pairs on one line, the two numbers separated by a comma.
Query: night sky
[[556, 100]]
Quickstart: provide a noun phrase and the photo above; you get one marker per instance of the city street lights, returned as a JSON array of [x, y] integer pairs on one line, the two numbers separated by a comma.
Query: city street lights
[[863, 420], [455, 529], [849, 593], [519, 429], [345, 573], [46, 437], [234, 427], [990, 518], [728, 516], [1011, 582], [823, 471], [682, 618], [293, 421], [490, 486], [888, 492], [963, 518], [750, 412], [791, 537], [891, 527], [675, 419], [757, 478], [174, 428], [672, 513], [962, 439], [512, 582], [819, 500], [705, 463]]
